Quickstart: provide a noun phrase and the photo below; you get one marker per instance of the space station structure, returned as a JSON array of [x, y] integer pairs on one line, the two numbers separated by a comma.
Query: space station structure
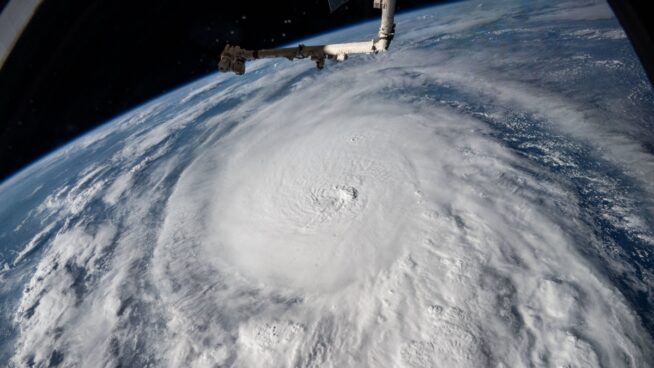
[[233, 58]]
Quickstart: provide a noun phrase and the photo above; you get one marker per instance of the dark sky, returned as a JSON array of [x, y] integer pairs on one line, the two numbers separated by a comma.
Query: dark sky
[[81, 62]]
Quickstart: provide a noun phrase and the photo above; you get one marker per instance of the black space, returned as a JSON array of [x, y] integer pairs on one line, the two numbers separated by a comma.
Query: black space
[[81, 62]]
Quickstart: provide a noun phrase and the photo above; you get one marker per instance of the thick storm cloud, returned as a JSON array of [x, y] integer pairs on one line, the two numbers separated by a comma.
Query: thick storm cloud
[[466, 199]]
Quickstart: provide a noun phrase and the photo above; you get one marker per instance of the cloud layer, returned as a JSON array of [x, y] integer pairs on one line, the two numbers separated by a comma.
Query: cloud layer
[[445, 204]]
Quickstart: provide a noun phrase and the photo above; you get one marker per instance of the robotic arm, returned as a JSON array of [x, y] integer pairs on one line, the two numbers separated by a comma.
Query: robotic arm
[[233, 58]]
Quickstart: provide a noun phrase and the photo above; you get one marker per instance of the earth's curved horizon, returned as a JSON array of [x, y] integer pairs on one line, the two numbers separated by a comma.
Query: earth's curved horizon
[[480, 195]]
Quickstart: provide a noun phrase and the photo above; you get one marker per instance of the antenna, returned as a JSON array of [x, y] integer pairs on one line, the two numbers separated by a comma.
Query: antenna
[[233, 58]]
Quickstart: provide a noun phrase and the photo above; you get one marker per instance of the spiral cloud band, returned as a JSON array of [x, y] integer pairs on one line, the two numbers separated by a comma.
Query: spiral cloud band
[[390, 225], [437, 205]]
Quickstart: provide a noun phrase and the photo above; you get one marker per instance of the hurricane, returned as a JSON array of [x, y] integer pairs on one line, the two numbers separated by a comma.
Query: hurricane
[[470, 198]]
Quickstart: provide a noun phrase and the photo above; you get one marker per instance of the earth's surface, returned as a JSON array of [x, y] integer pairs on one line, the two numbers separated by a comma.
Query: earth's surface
[[480, 195]]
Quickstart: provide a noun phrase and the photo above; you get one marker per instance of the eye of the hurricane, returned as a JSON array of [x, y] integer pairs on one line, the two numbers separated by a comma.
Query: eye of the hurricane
[[335, 198], [325, 203]]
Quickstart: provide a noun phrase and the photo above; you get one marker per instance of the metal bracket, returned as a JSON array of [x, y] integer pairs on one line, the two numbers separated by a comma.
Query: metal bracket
[[233, 58]]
